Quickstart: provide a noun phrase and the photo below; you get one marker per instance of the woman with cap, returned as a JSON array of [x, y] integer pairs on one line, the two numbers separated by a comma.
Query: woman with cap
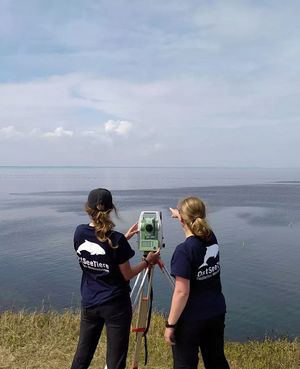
[[103, 255], [197, 314]]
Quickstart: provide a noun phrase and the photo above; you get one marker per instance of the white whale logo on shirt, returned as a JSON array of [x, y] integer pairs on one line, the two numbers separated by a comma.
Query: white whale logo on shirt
[[211, 252], [91, 247]]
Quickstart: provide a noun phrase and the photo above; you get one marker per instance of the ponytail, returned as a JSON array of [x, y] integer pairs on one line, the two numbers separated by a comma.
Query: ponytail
[[102, 222], [193, 212], [200, 227]]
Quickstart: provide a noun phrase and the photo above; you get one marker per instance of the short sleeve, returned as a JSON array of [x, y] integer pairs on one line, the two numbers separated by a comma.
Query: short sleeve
[[181, 265], [124, 251], [76, 238]]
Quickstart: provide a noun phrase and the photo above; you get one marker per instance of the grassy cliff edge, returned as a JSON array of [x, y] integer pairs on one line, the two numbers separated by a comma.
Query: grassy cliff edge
[[48, 341]]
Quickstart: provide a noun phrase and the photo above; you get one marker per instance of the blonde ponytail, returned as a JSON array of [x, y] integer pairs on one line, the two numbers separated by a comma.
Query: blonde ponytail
[[200, 227], [102, 223], [193, 212]]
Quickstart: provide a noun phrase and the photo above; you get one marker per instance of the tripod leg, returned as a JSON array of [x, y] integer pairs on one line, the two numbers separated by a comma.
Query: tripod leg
[[168, 276], [142, 320], [166, 273], [140, 288], [140, 328], [135, 285]]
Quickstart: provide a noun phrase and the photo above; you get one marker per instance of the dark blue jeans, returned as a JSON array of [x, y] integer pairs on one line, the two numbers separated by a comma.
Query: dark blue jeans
[[208, 335], [116, 316]]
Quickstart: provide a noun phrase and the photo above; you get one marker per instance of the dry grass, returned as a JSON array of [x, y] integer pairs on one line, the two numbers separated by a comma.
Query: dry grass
[[48, 341]]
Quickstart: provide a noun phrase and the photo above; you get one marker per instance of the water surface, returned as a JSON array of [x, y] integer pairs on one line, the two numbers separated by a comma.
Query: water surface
[[255, 214]]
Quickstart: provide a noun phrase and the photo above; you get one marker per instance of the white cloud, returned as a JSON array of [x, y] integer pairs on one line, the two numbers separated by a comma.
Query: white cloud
[[59, 132], [105, 132], [157, 106], [9, 132], [120, 128], [109, 133], [35, 132]]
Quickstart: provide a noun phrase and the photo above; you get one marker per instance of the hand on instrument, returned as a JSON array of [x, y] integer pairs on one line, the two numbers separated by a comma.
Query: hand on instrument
[[132, 231], [153, 257]]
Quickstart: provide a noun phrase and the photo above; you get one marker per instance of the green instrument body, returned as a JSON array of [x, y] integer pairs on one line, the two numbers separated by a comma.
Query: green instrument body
[[150, 231]]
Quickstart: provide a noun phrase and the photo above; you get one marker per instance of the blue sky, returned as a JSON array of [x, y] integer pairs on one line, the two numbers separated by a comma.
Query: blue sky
[[130, 83]]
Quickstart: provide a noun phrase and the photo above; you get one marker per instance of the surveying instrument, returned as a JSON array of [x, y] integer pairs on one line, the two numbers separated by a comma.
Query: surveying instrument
[[150, 238]]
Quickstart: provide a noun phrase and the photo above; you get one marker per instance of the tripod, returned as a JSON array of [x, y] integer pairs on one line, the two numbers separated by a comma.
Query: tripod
[[142, 295]]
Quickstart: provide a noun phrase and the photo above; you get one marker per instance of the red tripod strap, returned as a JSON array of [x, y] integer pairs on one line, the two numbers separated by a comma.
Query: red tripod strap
[[138, 330]]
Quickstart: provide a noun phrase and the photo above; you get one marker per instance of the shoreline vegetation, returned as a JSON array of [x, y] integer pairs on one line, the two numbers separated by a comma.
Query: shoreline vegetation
[[47, 340]]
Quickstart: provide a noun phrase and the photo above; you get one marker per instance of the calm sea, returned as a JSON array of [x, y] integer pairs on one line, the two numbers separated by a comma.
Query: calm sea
[[255, 214]]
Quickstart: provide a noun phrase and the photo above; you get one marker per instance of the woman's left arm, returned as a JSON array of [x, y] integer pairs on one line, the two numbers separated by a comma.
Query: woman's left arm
[[179, 300], [132, 231]]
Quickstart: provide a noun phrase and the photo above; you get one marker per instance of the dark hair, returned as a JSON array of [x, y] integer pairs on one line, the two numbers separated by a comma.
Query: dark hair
[[99, 207], [101, 199]]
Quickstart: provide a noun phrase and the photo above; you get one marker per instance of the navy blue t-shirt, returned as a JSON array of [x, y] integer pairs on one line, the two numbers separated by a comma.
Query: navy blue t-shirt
[[197, 260], [101, 280]]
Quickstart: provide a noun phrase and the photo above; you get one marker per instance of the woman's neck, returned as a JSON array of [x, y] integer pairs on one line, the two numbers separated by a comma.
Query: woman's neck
[[187, 231]]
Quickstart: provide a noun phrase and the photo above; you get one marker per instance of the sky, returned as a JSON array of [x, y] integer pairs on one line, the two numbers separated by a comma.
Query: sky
[[150, 83]]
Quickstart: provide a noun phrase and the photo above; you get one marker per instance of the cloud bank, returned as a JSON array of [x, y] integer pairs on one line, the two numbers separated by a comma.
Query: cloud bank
[[181, 83]]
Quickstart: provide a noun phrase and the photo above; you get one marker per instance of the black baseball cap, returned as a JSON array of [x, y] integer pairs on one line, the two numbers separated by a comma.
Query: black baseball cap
[[102, 197]]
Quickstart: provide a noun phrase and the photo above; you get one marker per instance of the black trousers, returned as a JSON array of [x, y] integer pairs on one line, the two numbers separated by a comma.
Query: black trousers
[[208, 335], [116, 316]]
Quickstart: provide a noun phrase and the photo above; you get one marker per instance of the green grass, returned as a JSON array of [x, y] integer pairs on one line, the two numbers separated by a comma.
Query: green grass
[[48, 340]]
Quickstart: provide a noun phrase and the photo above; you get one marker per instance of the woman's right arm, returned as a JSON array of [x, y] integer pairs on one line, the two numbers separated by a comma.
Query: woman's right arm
[[128, 271], [179, 300]]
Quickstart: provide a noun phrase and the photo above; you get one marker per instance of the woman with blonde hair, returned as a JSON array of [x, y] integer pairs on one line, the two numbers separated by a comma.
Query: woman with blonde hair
[[103, 256], [197, 313]]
